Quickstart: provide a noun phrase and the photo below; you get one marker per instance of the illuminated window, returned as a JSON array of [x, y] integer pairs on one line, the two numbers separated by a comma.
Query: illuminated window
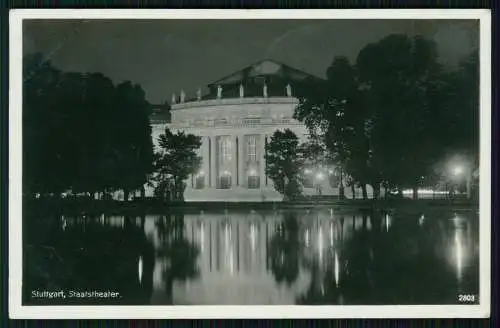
[[199, 182], [225, 180], [252, 149], [253, 182], [225, 150]]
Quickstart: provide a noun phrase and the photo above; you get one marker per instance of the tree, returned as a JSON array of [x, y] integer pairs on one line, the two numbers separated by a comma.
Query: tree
[[335, 114], [285, 250], [176, 160], [401, 75], [284, 162], [134, 137], [46, 155], [81, 133], [179, 254]]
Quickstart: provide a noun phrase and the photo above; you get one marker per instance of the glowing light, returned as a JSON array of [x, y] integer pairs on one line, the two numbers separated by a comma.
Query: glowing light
[[307, 238], [63, 223], [307, 171], [253, 237], [320, 244], [387, 222], [201, 173], [140, 269], [252, 172], [421, 220], [331, 235], [457, 170], [425, 191], [337, 269], [458, 254], [330, 171], [320, 176]]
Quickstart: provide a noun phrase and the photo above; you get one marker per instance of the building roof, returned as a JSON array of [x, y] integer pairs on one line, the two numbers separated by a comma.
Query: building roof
[[265, 68]]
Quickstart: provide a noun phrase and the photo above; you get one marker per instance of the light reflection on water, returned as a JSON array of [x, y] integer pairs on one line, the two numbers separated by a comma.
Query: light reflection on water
[[285, 257]]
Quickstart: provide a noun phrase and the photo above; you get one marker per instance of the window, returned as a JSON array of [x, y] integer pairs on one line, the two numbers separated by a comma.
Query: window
[[225, 181], [252, 121], [199, 182], [253, 182], [221, 121], [225, 148], [252, 149]]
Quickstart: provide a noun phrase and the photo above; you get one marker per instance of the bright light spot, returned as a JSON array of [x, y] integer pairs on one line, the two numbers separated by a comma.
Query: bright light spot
[[421, 220], [458, 254], [424, 191], [337, 269], [252, 172], [307, 171], [253, 237], [307, 238], [319, 176], [331, 235], [330, 171], [140, 269], [387, 222], [201, 173], [320, 244], [457, 170]]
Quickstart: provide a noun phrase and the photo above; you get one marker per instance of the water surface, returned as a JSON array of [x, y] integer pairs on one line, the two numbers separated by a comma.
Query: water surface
[[254, 257]]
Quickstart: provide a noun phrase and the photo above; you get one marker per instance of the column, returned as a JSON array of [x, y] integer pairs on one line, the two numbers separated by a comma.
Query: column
[[234, 163], [262, 163], [241, 160], [205, 146], [213, 162]]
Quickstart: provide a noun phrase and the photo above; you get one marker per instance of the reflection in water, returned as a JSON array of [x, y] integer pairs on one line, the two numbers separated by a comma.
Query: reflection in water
[[278, 257]]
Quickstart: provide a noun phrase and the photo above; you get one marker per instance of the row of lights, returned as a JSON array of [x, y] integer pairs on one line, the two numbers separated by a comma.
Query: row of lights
[[319, 175]]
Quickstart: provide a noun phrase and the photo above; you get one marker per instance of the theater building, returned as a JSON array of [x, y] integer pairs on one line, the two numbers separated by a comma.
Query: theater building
[[235, 120]]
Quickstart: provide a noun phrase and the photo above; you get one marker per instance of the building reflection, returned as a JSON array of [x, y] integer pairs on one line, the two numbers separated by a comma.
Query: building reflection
[[260, 258], [284, 257]]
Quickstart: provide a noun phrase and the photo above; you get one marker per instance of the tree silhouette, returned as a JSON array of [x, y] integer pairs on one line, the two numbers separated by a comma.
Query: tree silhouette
[[284, 162], [179, 254], [82, 133], [389, 118], [176, 160], [285, 250]]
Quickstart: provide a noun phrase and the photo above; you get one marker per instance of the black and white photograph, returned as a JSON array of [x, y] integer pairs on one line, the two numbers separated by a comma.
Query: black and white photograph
[[230, 163]]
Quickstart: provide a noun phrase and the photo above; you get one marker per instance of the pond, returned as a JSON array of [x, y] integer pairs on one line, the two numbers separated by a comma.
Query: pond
[[252, 257]]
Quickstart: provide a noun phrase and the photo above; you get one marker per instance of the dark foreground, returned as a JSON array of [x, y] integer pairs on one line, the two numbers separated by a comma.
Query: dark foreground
[[282, 256]]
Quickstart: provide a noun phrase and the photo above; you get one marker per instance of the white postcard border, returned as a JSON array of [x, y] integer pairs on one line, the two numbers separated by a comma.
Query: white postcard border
[[18, 311]]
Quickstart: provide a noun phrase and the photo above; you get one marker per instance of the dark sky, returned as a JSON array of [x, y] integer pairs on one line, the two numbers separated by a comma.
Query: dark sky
[[164, 56]]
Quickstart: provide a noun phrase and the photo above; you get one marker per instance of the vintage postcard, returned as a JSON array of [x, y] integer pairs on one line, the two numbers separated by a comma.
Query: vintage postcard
[[249, 164]]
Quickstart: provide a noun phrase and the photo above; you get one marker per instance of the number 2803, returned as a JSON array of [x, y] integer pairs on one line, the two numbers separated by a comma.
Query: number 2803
[[467, 298]]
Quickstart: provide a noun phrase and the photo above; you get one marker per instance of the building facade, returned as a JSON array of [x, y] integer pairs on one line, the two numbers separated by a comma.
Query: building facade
[[235, 120]]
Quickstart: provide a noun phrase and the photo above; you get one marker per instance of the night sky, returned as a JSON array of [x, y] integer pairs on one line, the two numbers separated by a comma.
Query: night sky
[[164, 56]]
